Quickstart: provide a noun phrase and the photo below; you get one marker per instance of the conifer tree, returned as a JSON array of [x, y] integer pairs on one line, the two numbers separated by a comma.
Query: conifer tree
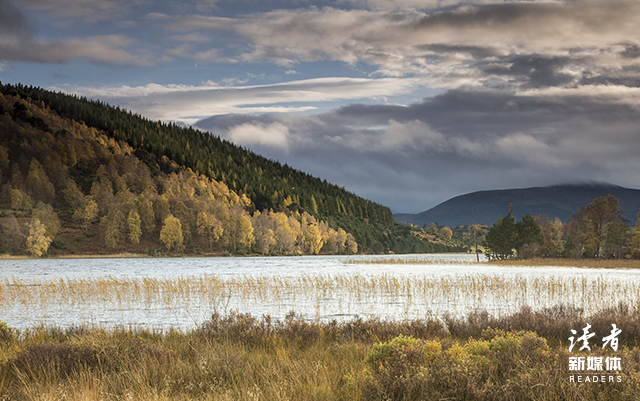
[[501, 238]]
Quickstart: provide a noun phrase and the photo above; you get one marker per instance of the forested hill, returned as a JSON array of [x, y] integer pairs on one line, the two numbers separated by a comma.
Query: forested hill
[[147, 187], [268, 183]]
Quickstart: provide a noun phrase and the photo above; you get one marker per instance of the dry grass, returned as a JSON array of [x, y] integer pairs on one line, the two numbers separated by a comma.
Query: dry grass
[[536, 262], [316, 296], [562, 262], [408, 261], [240, 357]]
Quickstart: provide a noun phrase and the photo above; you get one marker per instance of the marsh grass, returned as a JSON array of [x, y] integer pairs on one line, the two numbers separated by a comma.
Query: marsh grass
[[535, 262], [241, 357], [408, 261], [317, 297], [563, 262]]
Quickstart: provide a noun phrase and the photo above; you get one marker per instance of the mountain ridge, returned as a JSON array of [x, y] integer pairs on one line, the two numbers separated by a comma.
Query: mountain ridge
[[562, 201]]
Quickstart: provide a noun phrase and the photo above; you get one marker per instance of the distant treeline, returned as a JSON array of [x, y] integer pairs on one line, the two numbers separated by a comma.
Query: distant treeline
[[598, 230]]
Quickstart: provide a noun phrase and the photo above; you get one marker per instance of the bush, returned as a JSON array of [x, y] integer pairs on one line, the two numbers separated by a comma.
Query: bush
[[7, 334], [498, 366]]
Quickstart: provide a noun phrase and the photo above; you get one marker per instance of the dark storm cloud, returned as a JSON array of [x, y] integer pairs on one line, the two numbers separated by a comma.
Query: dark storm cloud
[[477, 52], [463, 140], [13, 22], [19, 42], [631, 51], [533, 71]]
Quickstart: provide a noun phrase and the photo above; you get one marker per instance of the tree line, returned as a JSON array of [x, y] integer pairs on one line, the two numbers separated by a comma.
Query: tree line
[[268, 183], [598, 230], [57, 173]]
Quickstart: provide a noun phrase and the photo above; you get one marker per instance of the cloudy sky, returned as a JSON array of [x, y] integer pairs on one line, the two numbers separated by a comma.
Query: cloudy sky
[[405, 102]]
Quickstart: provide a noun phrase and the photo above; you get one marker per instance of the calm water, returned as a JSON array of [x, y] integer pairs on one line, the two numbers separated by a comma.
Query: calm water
[[277, 285]]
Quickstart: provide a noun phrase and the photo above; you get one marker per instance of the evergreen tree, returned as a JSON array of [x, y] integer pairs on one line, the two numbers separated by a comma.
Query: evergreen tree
[[501, 238], [529, 236]]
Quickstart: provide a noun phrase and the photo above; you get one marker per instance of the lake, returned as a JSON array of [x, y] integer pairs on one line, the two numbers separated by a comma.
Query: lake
[[162, 293]]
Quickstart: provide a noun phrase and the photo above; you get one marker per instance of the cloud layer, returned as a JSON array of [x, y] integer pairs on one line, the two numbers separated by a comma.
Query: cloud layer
[[188, 104], [413, 157], [515, 93]]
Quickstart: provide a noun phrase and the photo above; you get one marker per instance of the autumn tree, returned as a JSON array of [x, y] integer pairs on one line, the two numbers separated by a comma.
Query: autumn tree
[[594, 221], [73, 196], [37, 242], [133, 227], [162, 208], [551, 231], [171, 233], [38, 183], [87, 212], [209, 228], [351, 246], [114, 223], [147, 216], [4, 160], [446, 233], [48, 217], [20, 200], [312, 239], [634, 241], [11, 235], [182, 212]]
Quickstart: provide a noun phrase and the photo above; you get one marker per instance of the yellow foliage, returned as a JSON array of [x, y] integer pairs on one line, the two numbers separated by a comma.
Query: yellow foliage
[[37, 242]]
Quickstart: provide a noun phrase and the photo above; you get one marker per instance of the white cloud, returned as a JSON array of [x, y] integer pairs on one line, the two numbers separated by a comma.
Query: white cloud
[[401, 39], [616, 94], [272, 135], [189, 104]]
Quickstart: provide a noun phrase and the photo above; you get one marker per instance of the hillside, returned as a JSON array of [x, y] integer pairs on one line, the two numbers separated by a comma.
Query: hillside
[[269, 184], [102, 191], [559, 201]]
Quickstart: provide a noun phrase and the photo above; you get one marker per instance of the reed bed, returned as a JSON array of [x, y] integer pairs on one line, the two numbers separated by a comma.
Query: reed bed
[[563, 262], [323, 297], [541, 262], [408, 261]]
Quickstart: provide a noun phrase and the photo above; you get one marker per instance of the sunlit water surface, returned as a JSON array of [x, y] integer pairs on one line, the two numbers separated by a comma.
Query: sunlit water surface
[[160, 293]]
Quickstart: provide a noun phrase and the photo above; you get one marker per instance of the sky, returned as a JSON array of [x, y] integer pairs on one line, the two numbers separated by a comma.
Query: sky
[[404, 102]]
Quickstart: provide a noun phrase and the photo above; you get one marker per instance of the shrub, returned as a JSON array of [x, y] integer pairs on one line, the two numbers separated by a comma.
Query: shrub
[[7, 334]]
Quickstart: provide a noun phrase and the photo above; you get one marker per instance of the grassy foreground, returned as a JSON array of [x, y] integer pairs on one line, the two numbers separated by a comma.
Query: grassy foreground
[[238, 357]]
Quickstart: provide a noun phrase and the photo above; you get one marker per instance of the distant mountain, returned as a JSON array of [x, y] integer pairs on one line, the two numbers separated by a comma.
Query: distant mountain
[[559, 201]]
